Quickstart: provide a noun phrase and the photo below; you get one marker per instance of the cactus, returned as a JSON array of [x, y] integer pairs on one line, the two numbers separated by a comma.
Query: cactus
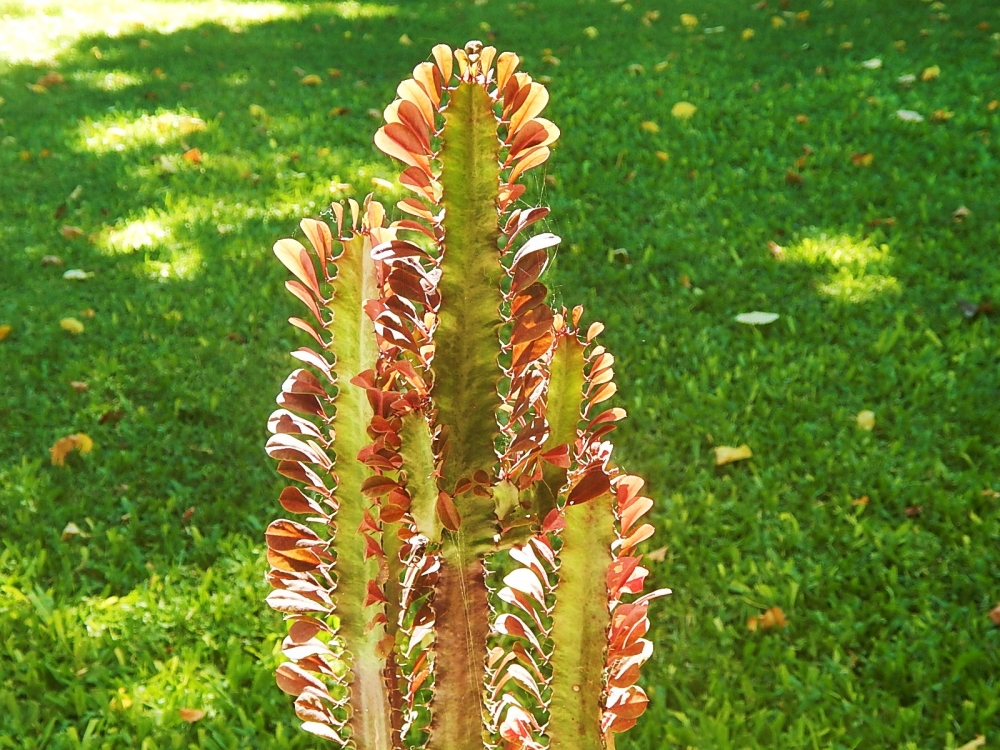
[[466, 574]]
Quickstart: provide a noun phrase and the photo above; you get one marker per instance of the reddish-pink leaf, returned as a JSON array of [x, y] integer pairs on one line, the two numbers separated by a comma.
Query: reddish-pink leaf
[[293, 560], [294, 500], [293, 679], [285, 535], [528, 160], [296, 259], [447, 512], [593, 483], [533, 103]]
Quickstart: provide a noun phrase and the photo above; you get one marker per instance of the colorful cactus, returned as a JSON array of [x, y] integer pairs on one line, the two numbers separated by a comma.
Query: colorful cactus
[[466, 576]]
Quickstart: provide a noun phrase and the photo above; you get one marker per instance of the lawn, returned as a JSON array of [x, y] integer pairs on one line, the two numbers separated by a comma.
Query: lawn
[[176, 143]]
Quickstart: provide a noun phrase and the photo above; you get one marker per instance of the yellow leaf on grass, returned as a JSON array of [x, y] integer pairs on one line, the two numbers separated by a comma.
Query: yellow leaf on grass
[[683, 110], [191, 715], [69, 531], [663, 156], [747, 34], [777, 22], [725, 454], [65, 445], [590, 32], [311, 80], [405, 40], [866, 420], [688, 20], [72, 325], [931, 73], [978, 742], [650, 127], [5, 332], [862, 160], [192, 155]]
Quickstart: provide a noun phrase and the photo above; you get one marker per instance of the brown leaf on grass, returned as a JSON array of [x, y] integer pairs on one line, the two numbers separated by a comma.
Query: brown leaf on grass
[[70, 232], [50, 79], [942, 115], [5, 332], [771, 619], [913, 511], [113, 416], [995, 615], [192, 155], [861, 501], [63, 446], [801, 119], [69, 531], [311, 80], [191, 715], [78, 385], [862, 159], [960, 214], [993, 106], [52, 260], [776, 250], [725, 454], [188, 514], [793, 178]]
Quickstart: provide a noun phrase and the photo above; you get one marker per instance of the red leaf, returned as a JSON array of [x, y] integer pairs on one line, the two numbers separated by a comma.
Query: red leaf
[[593, 483], [447, 512]]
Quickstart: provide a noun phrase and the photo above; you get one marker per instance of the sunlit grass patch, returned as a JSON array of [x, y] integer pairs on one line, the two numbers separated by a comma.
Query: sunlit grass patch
[[840, 250], [851, 286], [119, 132], [112, 80], [40, 29]]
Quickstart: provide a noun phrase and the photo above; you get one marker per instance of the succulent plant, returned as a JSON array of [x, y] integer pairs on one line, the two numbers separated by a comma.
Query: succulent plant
[[465, 575]]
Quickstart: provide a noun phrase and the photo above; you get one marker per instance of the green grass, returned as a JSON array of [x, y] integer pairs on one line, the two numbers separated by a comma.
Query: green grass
[[151, 609]]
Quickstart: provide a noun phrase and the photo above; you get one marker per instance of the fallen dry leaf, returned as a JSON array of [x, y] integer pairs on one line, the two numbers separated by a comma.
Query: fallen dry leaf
[[725, 454], [747, 34], [862, 160], [405, 40], [188, 514], [688, 20], [590, 32], [663, 156], [69, 531], [50, 79], [866, 420], [913, 511], [71, 232], [975, 744], [5, 332], [78, 385], [862, 501], [52, 260], [908, 115], [192, 155], [801, 119], [991, 493], [757, 318], [961, 214], [793, 178], [683, 110], [311, 80], [993, 106], [771, 619], [63, 446], [650, 127], [931, 74], [72, 325], [776, 250], [995, 615], [77, 274], [657, 555], [777, 22], [941, 115], [191, 715]]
